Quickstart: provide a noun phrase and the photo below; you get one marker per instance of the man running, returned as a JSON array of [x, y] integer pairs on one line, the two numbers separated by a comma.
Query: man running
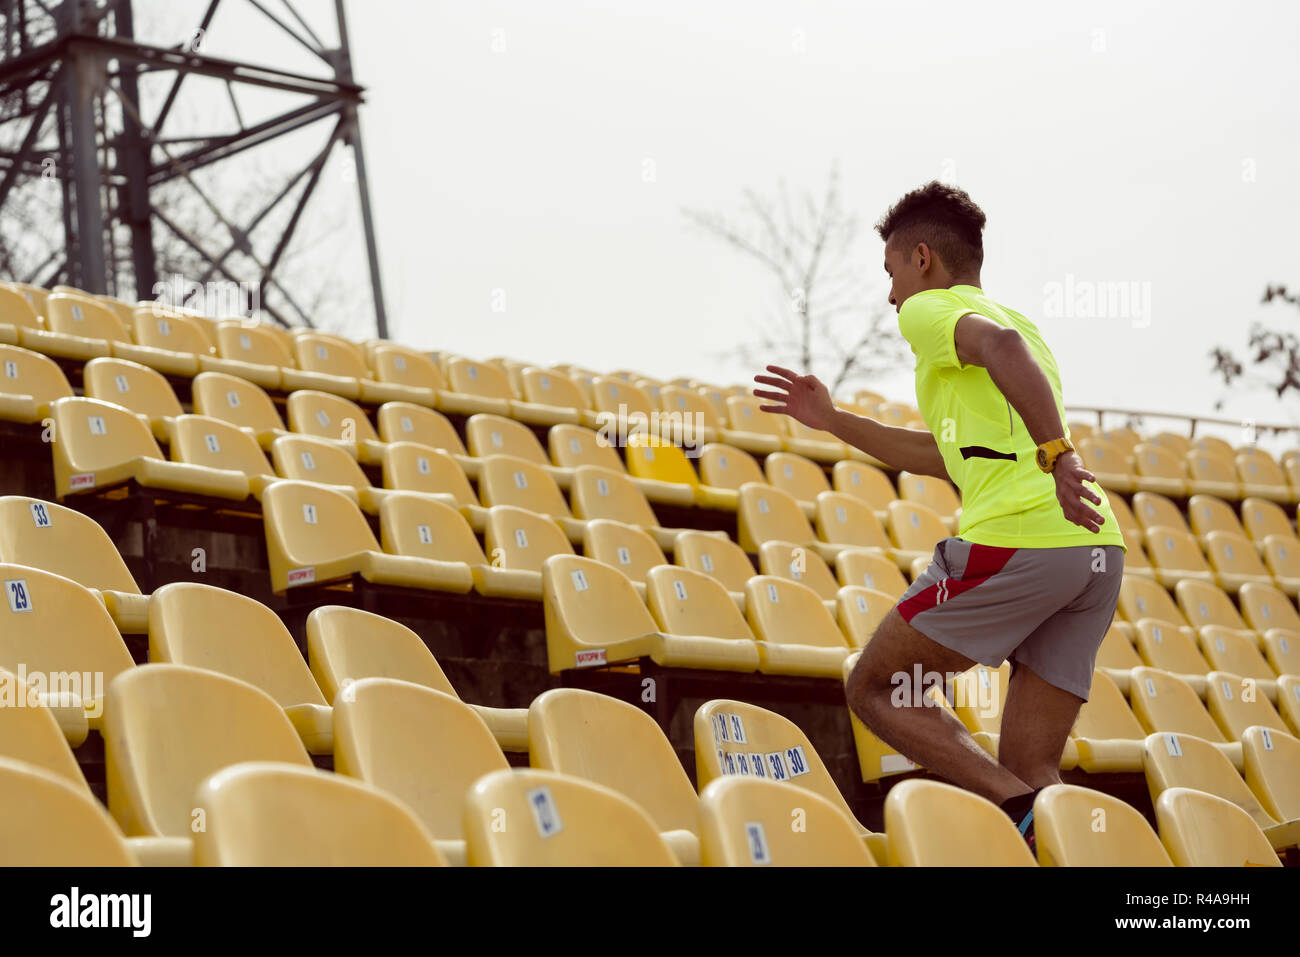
[[1034, 572]]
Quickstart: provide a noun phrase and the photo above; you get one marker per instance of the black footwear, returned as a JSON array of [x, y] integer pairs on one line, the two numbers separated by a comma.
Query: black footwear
[[1021, 811]]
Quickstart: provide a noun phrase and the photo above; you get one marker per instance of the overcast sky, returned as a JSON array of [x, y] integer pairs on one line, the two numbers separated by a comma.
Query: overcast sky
[[1153, 145]]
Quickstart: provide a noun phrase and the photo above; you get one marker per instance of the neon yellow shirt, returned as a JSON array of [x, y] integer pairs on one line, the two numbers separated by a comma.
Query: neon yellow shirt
[[1006, 499]]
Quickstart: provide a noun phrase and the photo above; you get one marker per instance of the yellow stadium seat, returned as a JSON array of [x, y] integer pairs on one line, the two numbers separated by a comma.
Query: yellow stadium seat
[[38, 728], [49, 822], [1141, 598], [748, 428], [554, 820], [1116, 656], [816, 444], [595, 618], [601, 493], [718, 557], [800, 478], [226, 632], [1164, 702], [335, 419], [747, 823], [797, 634], [734, 738], [30, 383], [214, 444], [1237, 702], [934, 493], [693, 408], [1288, 701], [1171, 649], [1282, 649], [135, 387], [727, 467], [170, 330], [346, 645], [1176, 556], [1201, 830], [617, 745], [556, 391], [16, 312], [61, 631], [866, 567], [487, 434], [1263, 518], [76, 327], [475, 387], [860, 610], [1159, 470], [328, 464], [624, 547], [64, 542], [798, 563], [865, 482], [1209, 514], [1210, 473], [1262, 477], [415, 372], [273, 814], [319, 354], [1109, 463], [1106, 735], [574, 445], [766, 513], [931, 824], [1205, 604], [408, 467], [97, 446], [259, 356], [1128, 522], [316, 535], [1238, 654], [915, 529], [1080, 827], [876, 759], [1235, 561], [686, 602], [241, 403], [1173, 442], [424, 747], [843, 519], [520, 542], [506, 480], [1184, 761], [664, 473], [1281, 555], [407, 422], [1273, 771], [1152, 510], [979, 697], [213, 721]]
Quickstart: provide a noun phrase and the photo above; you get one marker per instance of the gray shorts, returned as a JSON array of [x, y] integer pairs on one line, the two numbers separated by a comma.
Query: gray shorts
[[1045, 608]]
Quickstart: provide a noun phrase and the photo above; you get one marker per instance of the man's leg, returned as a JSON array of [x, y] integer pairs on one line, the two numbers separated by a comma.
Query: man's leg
[[930, 736], [1036, 723]]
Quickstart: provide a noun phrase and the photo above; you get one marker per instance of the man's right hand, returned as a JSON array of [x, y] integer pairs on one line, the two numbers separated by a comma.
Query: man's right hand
[[802, 397]]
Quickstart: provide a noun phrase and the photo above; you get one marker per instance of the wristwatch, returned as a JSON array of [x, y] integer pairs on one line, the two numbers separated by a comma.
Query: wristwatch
[[1049, 452]]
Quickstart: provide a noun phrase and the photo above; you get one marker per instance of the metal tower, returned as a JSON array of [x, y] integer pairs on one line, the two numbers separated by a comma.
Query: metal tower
[[70, 110]]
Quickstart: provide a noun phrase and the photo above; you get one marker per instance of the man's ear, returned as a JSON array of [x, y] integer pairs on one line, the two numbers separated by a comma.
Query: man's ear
[[922, 257]]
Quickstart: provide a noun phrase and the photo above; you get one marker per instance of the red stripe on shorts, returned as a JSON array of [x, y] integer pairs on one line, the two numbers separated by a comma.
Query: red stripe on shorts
[[984, 562]]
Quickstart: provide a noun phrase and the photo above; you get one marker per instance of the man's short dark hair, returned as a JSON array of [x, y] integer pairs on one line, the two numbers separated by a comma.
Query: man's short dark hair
[[945, 218]]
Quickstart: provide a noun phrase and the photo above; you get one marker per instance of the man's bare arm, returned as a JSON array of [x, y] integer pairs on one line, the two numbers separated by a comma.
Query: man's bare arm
[[807, 400], [1002, 351]]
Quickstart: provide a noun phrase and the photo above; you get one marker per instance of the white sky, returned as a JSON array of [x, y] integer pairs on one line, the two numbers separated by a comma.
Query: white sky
[[1131, 142]]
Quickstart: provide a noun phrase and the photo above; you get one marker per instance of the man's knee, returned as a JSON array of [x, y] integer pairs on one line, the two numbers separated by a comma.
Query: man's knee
[[870, 681]]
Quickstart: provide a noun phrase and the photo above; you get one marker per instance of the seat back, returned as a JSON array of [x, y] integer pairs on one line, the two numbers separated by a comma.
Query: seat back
[[1079, 827], [496, 435], [1106, 716], [1263, 518], [329, 417], [1272, 760], [798, 563], [1210, 514], [786, 612], [32, 374], [1163, 702], [744, 415], [251, 343], [506, 480], [561, 821], [716, 556], [74, 315], [846, 520], [724, 466], [401, 366], [860, 566], [30, 733], [1181, 760], [347, 644], [90, 435], [236, 401], [934, 493], [332, 355], [425, 528], [161, 328], [1238, 703], [625, 547], [307, 459], [574, 445], [1143, 598], [795, 475], [765, 513], [424, 747], [212, 721], [229, 633], [271, 814], [61, 541], [860, 611], [931, 824], [49, 822], [746, 822], [685, 602], [478, 378], [1154, 510], [614, 744], [1202, 830], [865, 482], [520, 539], [1204, 603], [915, 527], [550, 387], [408, 422], [307, 525], [17, 309], [419, 468], [602, 493], [202, 440]]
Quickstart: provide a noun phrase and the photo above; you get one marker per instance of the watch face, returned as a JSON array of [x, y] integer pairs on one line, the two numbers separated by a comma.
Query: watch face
[[1042, 458]]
